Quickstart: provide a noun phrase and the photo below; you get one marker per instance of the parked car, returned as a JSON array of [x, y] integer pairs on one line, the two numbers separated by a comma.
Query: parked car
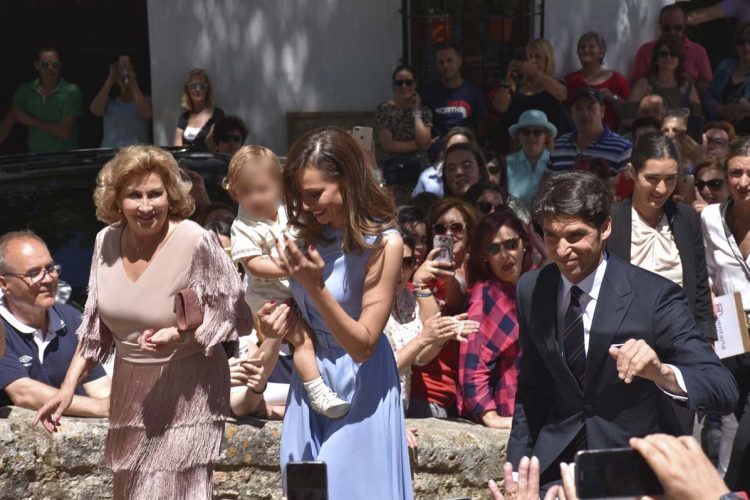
[[52, 194]]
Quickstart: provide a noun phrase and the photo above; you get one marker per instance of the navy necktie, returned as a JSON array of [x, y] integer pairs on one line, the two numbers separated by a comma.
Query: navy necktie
[[572, 337]]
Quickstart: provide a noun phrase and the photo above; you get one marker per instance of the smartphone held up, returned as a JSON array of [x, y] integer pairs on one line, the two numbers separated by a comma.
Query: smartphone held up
[[614, 473], [445, 244]]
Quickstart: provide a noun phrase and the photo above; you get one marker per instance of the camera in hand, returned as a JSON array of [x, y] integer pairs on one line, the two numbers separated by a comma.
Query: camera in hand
[[614, 473]]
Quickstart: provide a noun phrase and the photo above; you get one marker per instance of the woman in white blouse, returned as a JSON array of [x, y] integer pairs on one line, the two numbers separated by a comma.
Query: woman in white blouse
[[726, 232], [651, 231]]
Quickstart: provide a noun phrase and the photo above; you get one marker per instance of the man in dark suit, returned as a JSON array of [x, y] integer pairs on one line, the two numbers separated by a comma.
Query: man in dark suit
[[604, 342]]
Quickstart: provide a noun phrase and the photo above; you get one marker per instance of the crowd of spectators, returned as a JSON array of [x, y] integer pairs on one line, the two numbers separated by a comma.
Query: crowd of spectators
[[470, 284]]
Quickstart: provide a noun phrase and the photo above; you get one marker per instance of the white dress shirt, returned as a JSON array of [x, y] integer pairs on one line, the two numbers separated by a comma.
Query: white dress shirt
[[591, 287]]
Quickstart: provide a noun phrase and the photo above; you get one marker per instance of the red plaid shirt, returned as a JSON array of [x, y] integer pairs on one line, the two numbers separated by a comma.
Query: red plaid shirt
[[488, 362]]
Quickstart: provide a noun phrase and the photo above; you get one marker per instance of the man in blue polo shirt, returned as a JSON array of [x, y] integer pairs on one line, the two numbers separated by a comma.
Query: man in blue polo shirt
[[592, 146], [40, 335], [49, 106], [454, 102]]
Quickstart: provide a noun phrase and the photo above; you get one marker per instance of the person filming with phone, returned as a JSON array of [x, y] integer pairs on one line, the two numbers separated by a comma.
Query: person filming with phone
[[404, 128], [125, 111], [603, 342]]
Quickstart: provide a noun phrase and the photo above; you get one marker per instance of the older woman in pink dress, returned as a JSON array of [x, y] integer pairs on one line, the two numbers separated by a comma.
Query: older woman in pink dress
[[170, 389]]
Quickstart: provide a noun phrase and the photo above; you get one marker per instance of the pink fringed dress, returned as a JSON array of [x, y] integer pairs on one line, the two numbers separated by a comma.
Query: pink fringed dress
[[167, 410]]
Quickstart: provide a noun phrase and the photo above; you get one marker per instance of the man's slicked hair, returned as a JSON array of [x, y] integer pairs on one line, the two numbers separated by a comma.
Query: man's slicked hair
[[574, 194]]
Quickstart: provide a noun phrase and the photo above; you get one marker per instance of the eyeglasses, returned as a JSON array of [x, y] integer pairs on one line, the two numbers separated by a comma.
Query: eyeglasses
[[403, 83], [486, 207], [37, 275], [713, 184], [536, 132], [232, 138], [455, 228], [408, 262], [672, 27], [197, 86], [50, 64], [465, 165], [664, 54], [720, 143], [511, 244]]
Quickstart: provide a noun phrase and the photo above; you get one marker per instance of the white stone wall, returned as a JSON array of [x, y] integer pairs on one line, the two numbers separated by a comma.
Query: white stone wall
[[624, 24], [267, 57]]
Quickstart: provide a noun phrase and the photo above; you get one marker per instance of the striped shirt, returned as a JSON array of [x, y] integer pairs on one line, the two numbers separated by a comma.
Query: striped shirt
[[610, 147]]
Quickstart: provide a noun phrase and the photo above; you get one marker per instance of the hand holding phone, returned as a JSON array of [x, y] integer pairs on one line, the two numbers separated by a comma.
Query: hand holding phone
[[363, 136], [686, 189], [616, 472], [445, 243], [306, 481]]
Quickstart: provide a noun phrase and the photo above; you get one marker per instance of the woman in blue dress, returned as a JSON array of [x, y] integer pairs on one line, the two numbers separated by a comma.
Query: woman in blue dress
[[343, 283]]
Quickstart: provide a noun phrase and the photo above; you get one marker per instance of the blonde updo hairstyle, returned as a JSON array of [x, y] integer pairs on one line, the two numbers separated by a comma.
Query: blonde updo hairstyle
[[134, 162]]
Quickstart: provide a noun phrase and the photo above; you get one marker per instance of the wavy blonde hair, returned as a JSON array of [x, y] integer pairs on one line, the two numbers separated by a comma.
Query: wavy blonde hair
[[370, 209], [544, 49], [248, 160], [133, 162], [187, 103]]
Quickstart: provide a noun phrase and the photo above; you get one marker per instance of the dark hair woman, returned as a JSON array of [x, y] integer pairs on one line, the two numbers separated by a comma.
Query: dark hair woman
[[344, 285], [431, 178], [463, 166], [666, 79], [726, 233], [488, 362], [404, 127], [655, 233], [434, 385]]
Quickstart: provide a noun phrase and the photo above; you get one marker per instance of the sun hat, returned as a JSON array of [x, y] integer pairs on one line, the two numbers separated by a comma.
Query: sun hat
[[532, 118]]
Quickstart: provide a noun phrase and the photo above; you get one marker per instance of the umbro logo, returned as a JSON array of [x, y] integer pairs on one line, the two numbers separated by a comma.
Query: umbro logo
[[25, 360]]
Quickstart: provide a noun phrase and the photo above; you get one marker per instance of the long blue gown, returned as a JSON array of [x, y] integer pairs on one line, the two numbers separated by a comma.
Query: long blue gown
[[365, 451]]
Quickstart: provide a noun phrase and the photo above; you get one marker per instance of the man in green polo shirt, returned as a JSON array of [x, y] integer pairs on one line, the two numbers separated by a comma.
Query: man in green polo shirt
[[49, 106]]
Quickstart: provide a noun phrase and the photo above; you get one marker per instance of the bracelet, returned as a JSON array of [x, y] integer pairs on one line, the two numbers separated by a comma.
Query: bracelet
[[419, 284], [416, 114], [423, 295], [264, 388]]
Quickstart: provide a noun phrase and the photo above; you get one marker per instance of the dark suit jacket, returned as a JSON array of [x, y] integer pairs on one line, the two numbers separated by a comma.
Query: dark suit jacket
[[551, 407], [686, 228]]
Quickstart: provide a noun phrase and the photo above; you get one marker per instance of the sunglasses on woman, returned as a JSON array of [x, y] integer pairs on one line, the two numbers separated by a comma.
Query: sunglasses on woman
[[455, 228], [486, 207], [409, 262], [403, 83], [198, 86], [511, 244], [713, 184]]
